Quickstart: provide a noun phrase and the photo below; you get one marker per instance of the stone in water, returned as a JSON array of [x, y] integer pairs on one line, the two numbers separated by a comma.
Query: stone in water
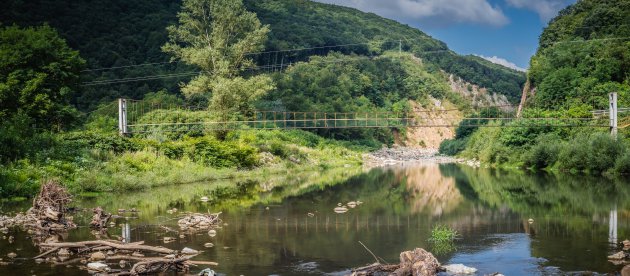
[[341, 210], [459, 269], [100, 267], [189, 251]]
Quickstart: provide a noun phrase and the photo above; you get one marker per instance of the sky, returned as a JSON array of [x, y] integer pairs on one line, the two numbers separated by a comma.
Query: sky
[[502, 31]]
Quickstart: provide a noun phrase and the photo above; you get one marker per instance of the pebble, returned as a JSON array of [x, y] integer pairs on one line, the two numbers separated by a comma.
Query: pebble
[[189, 251], [341, 210], [208, 244], [110, 253], [212, 233], [530, 221], [352, 204], [12, 255], [122, 263], [310, 215]]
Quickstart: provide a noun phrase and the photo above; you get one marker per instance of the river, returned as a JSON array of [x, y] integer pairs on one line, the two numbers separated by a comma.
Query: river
[[515, 223]]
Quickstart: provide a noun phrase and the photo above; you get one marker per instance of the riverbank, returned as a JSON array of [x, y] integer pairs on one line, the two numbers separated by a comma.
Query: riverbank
[[105, 162], [399, 155]]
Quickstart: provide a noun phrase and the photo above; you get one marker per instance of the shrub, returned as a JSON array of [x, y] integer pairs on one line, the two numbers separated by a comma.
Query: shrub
[[622, 166], [604, 151], [543, 154], [453, 146]]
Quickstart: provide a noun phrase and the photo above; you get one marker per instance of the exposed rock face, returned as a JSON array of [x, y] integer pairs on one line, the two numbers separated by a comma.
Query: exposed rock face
[[479, 96]]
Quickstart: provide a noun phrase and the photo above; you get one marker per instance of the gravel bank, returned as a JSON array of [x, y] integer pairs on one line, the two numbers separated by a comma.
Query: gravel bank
[[398, 155]]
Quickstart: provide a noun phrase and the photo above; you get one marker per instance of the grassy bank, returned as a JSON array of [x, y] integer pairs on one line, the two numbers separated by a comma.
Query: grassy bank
[[105, 162], [575, 150]]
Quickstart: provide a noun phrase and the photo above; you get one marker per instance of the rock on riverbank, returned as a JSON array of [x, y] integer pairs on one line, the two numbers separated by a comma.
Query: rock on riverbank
[[398, 155]]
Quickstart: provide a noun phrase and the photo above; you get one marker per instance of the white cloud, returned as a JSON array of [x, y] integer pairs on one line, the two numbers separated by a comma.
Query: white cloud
[[546, 9], [504, 62], [431, 12]]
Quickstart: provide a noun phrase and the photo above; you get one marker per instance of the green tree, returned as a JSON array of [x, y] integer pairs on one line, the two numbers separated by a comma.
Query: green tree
[[38, 75], [216, 36]]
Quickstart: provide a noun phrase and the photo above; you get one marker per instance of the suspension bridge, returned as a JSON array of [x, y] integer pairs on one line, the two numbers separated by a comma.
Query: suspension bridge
[[143, 117]]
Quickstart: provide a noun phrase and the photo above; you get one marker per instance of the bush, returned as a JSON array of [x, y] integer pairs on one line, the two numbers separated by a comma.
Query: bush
[[453, 146], [214, 153], [622, 166], [605, 151], [544, 154]]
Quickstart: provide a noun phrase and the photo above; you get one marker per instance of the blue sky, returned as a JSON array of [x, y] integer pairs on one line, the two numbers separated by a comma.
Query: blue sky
[[503, 31]]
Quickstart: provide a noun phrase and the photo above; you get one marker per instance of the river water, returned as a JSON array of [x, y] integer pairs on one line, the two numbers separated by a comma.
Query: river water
[[291, 229]]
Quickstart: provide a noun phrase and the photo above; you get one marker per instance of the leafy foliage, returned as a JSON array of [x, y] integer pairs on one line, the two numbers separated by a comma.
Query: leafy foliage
[[583, 55], [38, 75], [122, 33]]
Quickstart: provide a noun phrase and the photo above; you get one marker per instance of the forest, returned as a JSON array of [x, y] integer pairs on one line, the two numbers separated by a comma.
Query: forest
[[59, 97], [583, 55], [61, 75]]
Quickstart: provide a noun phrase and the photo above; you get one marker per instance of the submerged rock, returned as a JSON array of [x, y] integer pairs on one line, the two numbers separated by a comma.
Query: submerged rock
[[208, 244], [459, 269], [617, 256], [341, 210], [212, 233], [12, 255]]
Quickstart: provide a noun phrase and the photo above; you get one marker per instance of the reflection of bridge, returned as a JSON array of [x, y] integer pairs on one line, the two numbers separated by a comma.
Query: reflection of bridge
[[143, 117]]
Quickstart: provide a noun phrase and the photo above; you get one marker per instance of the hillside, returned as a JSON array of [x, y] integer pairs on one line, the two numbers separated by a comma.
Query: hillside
[[583, 55], [121, 33]]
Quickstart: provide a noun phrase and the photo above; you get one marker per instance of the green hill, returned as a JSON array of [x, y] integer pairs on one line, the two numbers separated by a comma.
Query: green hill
[[583, 55], [120, 33]]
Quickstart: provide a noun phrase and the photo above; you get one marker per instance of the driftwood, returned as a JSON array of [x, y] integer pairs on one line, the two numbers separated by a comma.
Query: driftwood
[[418, 262], [110, 244], [198, 221], [100, 218]]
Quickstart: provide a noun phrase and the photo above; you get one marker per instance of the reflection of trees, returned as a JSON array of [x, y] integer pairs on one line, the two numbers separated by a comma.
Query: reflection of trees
[[572, 214]]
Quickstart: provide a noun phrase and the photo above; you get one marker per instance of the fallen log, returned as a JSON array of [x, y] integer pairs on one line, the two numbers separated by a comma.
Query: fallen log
[[119, 246]]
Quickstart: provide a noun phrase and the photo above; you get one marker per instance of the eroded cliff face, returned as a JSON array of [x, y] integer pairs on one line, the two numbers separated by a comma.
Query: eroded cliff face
[[441, 115], [478, 96]]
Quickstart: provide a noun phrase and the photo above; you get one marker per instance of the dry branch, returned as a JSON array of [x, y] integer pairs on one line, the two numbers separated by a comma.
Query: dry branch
[[111, 244]]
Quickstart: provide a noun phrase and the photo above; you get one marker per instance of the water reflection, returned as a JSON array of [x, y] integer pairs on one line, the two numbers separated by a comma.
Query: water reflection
[[286, 224]]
